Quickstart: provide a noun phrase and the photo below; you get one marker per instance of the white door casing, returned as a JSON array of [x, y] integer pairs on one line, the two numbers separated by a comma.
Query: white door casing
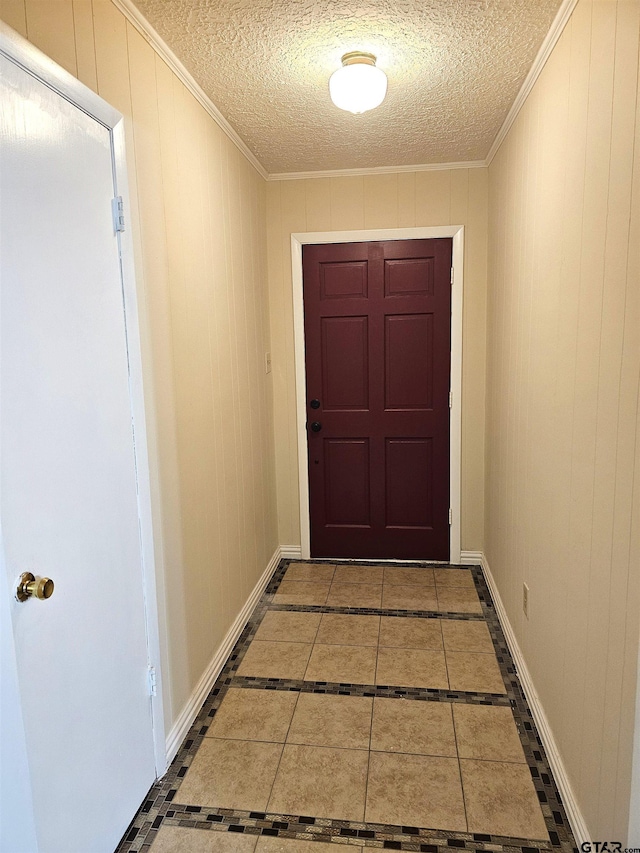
[[86, 738], [298, 240]]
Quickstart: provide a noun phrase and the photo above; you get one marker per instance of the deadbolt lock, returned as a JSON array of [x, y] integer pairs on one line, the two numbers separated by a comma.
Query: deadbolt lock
[[32, 587]]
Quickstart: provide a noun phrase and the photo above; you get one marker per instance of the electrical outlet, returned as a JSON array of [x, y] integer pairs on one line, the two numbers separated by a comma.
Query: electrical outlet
[[525, 599], [267, 362]]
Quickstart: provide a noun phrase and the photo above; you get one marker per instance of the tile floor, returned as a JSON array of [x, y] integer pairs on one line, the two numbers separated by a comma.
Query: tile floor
[[373, 706]]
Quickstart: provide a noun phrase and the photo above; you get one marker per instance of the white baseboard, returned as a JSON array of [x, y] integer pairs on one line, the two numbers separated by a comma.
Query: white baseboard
[[471, 558], [291, 552], [191, 710], [575, 816]]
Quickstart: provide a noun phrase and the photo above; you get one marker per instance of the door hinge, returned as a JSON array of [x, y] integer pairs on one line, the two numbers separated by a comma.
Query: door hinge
[[450, 399], [450, 516], [151, 680], [451, 275], [117, 207]]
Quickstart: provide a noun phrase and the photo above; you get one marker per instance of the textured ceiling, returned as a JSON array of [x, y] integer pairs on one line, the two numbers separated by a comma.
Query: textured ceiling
[[454, 69]]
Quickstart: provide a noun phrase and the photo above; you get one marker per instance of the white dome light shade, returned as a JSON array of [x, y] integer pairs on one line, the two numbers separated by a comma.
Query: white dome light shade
[[358, 86]]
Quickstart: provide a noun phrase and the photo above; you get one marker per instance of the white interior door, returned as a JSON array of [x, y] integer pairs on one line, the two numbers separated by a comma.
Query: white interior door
[[69, 507]]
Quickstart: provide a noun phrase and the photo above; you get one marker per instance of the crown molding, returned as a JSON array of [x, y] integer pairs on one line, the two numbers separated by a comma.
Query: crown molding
[[133, 15], [137, 19], [377, 170], [551, 39]]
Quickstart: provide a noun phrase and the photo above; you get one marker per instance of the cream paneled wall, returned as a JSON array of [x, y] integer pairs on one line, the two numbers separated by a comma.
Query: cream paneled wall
[[397, 200], [562, 403], [198, 221]]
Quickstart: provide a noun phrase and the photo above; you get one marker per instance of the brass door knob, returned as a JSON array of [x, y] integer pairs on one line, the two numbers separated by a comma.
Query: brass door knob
[[31, 587]]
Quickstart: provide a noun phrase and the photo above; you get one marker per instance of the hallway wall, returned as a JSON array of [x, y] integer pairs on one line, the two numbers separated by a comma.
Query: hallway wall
[[396, 200], [198, 214], [562, 406]]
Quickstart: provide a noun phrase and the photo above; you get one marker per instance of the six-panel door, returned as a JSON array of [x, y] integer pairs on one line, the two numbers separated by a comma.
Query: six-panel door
[[377, 342]]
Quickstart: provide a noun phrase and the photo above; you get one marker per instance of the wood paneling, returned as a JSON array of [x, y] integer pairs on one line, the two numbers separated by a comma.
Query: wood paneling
[[198, 217], [561, 404], [85, 43], [50, 27], [13, 12]]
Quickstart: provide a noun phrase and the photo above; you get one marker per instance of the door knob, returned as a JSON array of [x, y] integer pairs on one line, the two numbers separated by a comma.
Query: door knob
[[315, 404], [31, 587], [316, 426]]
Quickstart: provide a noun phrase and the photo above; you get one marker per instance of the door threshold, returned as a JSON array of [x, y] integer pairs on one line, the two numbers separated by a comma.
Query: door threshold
[[367, 560]]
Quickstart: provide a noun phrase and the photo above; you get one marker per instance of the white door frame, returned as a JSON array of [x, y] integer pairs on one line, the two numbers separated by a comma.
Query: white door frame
[[455, 430], [36, 63]]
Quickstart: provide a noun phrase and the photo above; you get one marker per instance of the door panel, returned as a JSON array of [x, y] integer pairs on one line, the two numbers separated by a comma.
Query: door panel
[[408, 277], [408, 341], [408, 468], [343, 280], [347, 493], [69, 505], [345, 363], [377, 348]]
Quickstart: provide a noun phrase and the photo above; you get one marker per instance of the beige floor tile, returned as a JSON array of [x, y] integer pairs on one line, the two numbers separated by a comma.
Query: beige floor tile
[[423, 728], [354, 595], [302, 592], [254, 715], [321, 782], [454, 577], [407, 632], [309, 572], [487, 733], [358, 574], [275, 660], [342, 664], [336, 721], [231, 774], [501, 800], [177, 839], [471, 671], [407, 597], [408, 577], [461, 636], [411, 668], [415, 790], [284, 626], [457, 599], [289, 845], [347, 630]]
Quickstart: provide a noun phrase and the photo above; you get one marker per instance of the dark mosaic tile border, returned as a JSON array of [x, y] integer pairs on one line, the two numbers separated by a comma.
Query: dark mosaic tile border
[[280, 572], [373, 835], [380, 691], [376, 611], [159, 807]]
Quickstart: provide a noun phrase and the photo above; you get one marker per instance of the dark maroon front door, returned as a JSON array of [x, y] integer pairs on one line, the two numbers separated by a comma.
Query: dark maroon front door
[[377, 339]]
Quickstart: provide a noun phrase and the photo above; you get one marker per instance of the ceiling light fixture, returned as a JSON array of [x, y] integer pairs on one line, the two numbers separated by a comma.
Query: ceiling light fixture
[[359, 85]]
